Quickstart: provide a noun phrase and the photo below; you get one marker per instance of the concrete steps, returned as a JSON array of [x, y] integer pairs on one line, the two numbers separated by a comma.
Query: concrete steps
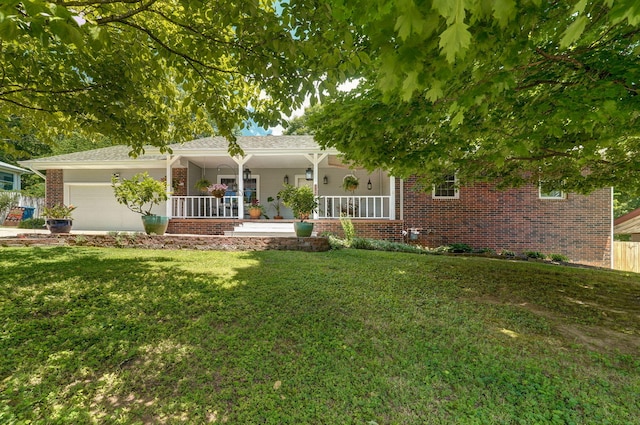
[[263, 228]]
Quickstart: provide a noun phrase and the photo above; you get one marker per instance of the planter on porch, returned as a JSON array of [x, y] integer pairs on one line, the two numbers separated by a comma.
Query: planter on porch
[[155, 224], [255, 213]]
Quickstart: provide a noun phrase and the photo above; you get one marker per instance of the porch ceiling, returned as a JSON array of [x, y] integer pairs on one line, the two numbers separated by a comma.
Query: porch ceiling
[[264, 161]]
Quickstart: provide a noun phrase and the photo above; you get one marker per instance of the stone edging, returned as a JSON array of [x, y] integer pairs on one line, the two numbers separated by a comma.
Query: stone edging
[[213, 243]]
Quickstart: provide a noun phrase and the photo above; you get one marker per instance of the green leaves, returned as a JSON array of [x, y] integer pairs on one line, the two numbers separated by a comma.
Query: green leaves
[[573, 31], [454, 40]]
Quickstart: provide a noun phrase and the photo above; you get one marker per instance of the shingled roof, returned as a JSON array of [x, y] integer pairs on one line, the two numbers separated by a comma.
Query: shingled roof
[[214, 145]]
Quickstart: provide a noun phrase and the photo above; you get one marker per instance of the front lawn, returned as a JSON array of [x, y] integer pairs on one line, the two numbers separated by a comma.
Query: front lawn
[[143, 337]]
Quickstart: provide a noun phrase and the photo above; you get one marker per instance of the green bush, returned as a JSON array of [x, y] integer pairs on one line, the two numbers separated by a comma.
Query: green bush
[[535, 255], [459, 248], [559, 257], [31, 223], [348, 228]]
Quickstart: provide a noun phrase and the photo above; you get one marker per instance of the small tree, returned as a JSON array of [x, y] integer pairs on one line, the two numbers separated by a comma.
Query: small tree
[[301, 200], [140, 193]]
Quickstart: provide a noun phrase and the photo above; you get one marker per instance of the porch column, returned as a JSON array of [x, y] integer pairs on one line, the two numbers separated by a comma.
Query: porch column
[[392, 198], [169, 184], [315, 160], [241, 161]]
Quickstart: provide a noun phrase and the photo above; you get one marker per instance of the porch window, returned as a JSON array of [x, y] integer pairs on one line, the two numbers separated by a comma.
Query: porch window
[[448, 189], [250, 186]]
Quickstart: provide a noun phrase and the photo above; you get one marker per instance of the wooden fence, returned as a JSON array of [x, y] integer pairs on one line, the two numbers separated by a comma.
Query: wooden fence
[[626, 256]]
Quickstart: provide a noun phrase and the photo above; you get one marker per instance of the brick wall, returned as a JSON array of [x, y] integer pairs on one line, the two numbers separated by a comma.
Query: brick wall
[[190, 226], [54, 188], [375, 229], [178, 175], [516, 220]]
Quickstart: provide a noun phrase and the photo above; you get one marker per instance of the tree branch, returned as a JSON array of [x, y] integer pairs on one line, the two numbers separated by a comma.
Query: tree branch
[[93, 2], [188, 58], [559, 58], [121, 18], [21, 105]]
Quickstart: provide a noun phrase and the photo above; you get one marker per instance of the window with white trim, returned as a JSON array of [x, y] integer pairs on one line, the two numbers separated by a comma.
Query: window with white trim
[[550, 192], [448, 189], [6, 181]]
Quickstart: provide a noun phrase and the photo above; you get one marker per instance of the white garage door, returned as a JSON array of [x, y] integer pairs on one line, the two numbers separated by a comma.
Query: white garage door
[[97, 209]]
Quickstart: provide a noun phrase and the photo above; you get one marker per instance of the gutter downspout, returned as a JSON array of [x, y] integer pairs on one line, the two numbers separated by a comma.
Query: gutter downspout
[[38, 173], [612, 244]]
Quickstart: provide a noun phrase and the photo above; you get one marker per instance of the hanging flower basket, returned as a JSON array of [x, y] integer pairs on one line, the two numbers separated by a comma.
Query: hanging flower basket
[[217, 189]]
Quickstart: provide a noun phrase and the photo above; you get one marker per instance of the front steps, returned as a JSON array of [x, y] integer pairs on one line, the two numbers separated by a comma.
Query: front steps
[[270, 228]]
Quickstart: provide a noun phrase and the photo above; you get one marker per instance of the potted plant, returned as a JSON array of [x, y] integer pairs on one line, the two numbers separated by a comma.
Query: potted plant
[[59, 218], [275, 203], [350, 183], [217, 189], [302, 202], [140, 194], [256, 209], [202, 185]]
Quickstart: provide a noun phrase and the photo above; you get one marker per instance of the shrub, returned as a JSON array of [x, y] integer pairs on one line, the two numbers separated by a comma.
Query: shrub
[[362, 243], [348, 228], [535, 255], [459, 248], [31, 223], [507, 253], [559, 257]]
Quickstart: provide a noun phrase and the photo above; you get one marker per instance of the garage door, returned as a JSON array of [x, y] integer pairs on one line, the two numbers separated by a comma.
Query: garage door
[[97, 209]]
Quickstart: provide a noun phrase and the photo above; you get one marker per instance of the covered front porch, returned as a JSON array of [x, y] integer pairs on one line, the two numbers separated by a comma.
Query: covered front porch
[[261, 173]]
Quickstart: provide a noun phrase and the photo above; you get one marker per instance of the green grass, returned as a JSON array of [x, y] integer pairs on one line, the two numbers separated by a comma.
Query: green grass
[[123, 336]]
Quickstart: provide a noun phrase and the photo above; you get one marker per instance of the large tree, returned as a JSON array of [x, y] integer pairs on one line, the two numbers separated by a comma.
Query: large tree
[[159, 71], [501, 90]]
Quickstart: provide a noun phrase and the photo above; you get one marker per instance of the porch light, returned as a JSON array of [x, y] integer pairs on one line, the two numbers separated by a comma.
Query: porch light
[[308, 174], [325, 180], [246, 174], [369, 185], [286, 179]]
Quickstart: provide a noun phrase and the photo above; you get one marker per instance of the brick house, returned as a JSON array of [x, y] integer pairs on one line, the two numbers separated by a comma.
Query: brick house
[[383, 206]]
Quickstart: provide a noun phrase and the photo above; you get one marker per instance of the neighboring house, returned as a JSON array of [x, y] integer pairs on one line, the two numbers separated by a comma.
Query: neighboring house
[[383, 207], [10, 176], [628, 224]]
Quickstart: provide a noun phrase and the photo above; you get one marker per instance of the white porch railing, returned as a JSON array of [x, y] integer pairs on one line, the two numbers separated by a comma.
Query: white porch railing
[[355, 206], [204, 207], [366, 207]]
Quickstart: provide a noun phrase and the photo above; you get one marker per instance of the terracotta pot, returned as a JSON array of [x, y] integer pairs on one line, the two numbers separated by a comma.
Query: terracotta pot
[[255, 212]]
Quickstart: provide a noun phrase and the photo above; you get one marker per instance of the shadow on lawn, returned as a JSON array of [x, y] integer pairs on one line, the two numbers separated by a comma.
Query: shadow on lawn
[[257, 337], [130, 337]]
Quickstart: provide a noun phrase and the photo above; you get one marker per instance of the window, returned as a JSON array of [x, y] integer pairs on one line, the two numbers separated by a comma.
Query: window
[[549, 192], [250, 186], [448, 189], [6, 181]]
